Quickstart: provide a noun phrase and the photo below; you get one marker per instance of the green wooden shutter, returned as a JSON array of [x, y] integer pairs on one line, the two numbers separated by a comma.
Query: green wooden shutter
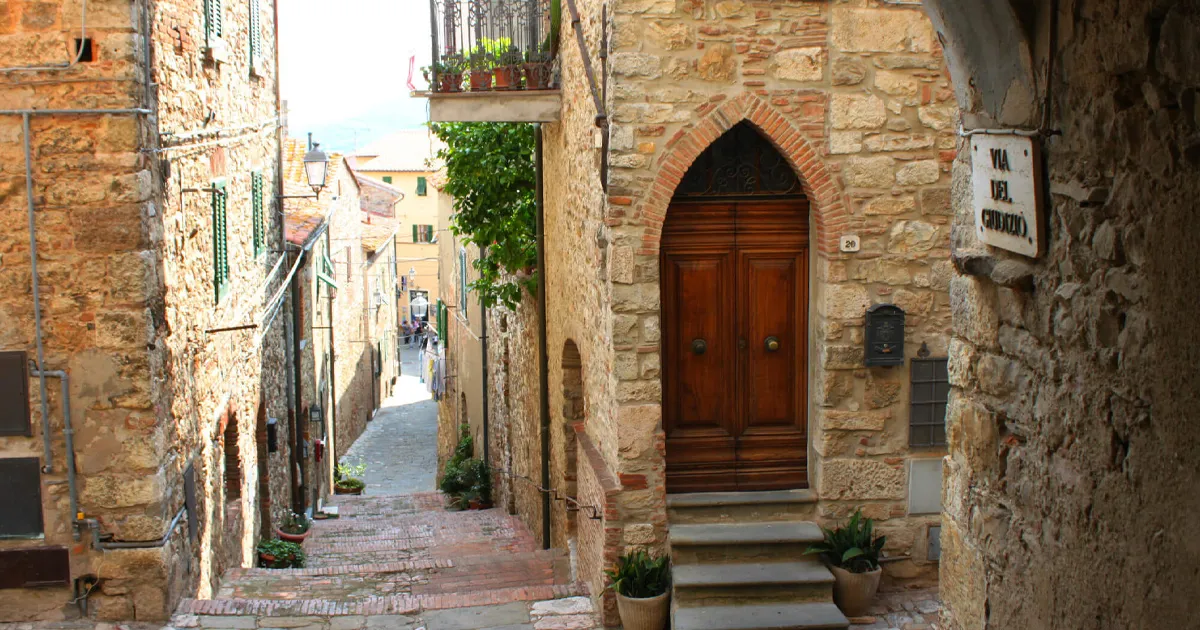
[[421, 186], [255, 33], [387, 179], [428, 233], [220, 241], [462, 282], [212, 19], [256, 204], [415, 239]]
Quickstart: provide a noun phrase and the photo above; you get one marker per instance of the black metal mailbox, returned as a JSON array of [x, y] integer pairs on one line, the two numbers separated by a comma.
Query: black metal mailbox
[[884, 335]]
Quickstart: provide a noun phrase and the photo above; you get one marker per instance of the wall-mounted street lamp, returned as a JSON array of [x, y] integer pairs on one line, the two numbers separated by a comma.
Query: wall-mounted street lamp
[[419, 306], [316, 168]]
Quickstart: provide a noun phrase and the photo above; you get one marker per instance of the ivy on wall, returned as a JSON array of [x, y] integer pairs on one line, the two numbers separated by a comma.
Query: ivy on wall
[[490, 175]]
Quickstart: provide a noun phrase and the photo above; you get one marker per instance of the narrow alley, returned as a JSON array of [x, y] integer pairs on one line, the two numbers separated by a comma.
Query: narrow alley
[[395, 558]]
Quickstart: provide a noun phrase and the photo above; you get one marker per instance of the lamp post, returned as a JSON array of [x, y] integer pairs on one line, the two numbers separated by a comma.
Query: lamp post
[[316, 169], [419, 307]]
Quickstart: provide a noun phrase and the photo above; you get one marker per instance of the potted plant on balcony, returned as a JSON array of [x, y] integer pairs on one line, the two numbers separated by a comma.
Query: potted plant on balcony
[[295, 528], [280, 554], [642, 584], [481, 62], [852, 553], [348, 478], [449, 72], [537, 69], [508, 69]]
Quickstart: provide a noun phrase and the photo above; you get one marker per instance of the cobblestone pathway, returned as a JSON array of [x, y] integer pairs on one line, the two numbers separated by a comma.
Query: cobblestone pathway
[[907, 610]]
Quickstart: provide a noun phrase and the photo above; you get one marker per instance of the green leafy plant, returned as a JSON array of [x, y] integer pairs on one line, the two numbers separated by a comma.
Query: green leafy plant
[[465, 478], [295, 524], [490, 175], [453, 63], [853, 547], [481, 480], [481, 60], [349, 476], [280, 554], [639, 574], [511, 57]]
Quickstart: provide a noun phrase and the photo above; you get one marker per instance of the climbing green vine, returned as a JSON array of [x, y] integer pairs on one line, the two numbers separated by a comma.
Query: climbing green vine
[[490, 174]]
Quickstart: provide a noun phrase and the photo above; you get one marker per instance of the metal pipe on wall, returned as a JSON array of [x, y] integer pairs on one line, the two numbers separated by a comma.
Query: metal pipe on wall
[[483, 341], [543, 356], [69, 437]]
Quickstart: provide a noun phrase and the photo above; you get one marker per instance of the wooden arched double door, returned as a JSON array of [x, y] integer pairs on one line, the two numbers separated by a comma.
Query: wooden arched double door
[[734, 278]]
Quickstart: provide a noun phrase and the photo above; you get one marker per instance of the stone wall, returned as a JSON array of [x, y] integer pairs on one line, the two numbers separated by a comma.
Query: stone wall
[[1073, 429]]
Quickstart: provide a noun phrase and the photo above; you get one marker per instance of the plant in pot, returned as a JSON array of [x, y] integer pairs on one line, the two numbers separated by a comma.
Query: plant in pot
[[348, 478], [295, 528], [642, 584], [537, 70], [852, 553], [280, 554], [449, 72], [481, 63], [481, 485], [508, 69]]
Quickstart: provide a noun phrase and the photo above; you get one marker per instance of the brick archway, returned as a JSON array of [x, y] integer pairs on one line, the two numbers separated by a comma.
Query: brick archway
[[827, 205]]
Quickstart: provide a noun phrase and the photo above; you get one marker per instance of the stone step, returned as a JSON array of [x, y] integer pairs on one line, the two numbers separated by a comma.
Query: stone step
[[806, 616], [744, 507], [751, 582], [724, 543]]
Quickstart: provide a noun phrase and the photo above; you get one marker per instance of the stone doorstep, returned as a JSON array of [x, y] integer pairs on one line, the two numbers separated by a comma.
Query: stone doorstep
[[745, 533], [722, 499], [750, 574], [813, 616]]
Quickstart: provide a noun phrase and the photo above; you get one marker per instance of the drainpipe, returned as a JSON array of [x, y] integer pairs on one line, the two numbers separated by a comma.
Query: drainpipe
[[483, 339], [331, 413], [47, 464], [69, 436], [543, 360], [97, 543], [297, 370]]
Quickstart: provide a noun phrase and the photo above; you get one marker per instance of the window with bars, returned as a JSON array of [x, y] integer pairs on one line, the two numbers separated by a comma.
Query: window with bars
[[213, 14], [256, 51], [929, 393], [220, 241], [422, 233], [258, 215], [422, 187]]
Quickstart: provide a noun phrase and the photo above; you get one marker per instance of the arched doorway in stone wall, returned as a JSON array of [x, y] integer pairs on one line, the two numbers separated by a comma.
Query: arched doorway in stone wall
[[734, 280]]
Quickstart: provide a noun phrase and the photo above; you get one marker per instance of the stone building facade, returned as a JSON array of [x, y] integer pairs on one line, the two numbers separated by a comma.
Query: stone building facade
[[854, 100], [158, 235]]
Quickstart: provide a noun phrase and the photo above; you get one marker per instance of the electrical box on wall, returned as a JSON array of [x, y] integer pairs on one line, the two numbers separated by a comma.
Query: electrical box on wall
[[884, 335]]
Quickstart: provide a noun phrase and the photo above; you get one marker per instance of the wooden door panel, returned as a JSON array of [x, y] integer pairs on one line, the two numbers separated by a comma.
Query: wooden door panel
[[768, 298]]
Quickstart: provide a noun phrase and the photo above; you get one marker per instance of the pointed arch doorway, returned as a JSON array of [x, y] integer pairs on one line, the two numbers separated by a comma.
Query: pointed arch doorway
[[734, 279]]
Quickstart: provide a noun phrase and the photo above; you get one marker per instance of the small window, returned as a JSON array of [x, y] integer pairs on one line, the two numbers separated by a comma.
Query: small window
[[422, 233], [422, 187], [929, 393], [220, 269], [387, 179], [259, 217], [84, 51]]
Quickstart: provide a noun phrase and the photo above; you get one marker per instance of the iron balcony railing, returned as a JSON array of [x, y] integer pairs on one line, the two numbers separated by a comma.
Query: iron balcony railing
[[485, 45]]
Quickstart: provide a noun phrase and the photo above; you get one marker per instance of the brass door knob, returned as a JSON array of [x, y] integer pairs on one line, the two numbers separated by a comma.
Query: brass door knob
[[699, 346], [772, 344]]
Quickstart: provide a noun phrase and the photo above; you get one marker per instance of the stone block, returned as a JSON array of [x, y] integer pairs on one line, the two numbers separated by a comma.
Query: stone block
[[639, 534], [857, 111], [973, 307], [639, 391], [636, 425], [869, 172], [836, 419], [918, 173], [730, 9], [669, 35], [842, 357], [625, 365], [912, 236], [637, 65], [718, 63], [861, 479], [650, 365], [649, 7], [888, 205], [621, 263], [896, 83], [899, 141], [936, 201], [800, 64], [565, 606], [651, 331], [939, 117], [881, 30], [846, 301], [848, 71], [843, 142]]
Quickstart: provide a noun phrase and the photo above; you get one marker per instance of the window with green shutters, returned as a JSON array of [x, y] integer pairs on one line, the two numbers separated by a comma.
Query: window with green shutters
[[422, 187], [442, 313], [387, 179], [255, 34], [212, 19], [220, 241], [259, 216], [422, 233]]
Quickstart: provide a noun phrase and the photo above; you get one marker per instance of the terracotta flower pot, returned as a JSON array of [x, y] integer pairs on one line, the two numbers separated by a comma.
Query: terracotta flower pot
[[854, 592], [537, 76], [450, 82], [296, 538], [644, 613], [266, 558], [345, 490], [508, 77], [481, 80]]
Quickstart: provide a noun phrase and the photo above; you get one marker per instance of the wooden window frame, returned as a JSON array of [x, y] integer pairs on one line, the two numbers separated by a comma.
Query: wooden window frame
[[422, 187]]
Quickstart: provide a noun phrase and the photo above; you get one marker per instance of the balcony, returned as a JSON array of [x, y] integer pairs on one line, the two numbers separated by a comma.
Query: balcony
[[492, 62]]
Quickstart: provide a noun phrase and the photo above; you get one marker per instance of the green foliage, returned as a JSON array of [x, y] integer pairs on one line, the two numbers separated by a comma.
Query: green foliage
[[465, 478], [286, 555], [295, 524], [481, 480], [853, 547], [490, 174], [347, 472], [640, 575], [351, 484]]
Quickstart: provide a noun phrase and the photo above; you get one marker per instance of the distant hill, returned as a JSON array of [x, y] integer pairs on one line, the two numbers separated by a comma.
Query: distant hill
[[345, 135]]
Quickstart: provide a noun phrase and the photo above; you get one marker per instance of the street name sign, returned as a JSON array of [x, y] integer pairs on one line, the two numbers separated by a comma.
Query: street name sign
[[1007, 186]]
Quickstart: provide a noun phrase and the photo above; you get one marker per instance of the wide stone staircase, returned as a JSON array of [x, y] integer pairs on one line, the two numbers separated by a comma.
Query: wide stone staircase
[[739, 564]]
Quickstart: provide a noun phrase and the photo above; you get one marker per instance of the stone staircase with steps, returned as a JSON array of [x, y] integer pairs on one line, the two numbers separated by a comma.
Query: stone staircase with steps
[[738, 563]]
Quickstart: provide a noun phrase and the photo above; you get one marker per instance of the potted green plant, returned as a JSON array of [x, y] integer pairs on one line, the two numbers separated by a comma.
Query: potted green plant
[[642, 583], [280, 554], [481, 485], [348, 478], [295, 528], [537, 70], [852, 553], [481, 63], [449, 72], [508, 69]]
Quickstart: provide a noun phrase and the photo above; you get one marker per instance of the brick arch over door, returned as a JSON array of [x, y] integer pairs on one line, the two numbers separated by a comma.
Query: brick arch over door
[[827, 205]]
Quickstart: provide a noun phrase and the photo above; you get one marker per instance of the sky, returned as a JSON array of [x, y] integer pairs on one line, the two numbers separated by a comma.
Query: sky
[[343, 68]]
